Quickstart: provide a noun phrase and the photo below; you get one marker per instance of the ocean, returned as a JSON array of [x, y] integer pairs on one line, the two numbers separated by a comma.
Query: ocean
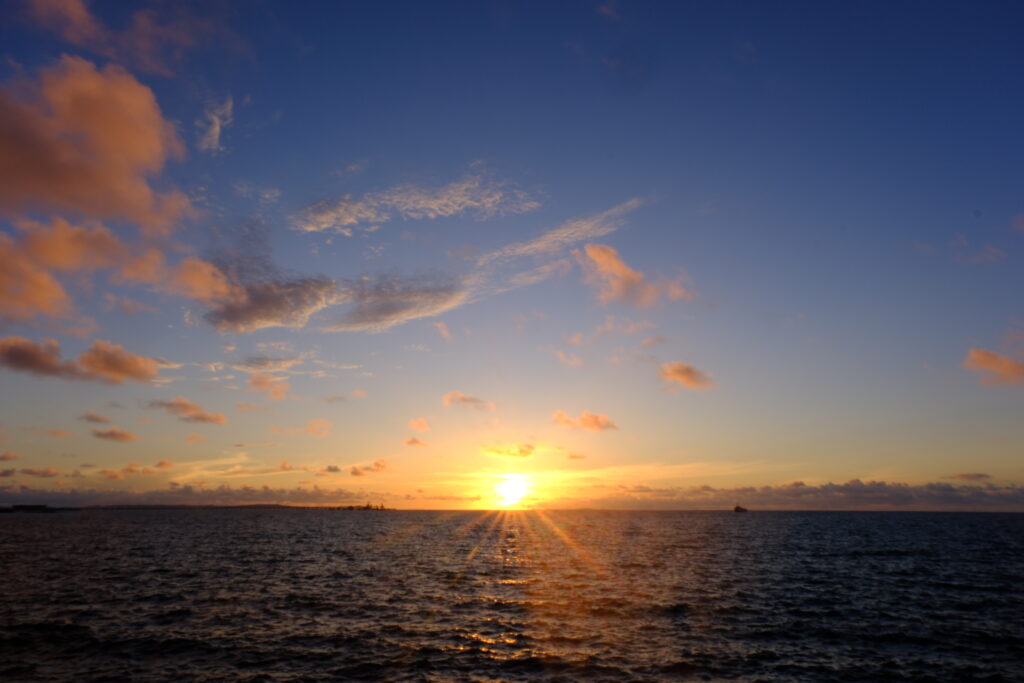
[[321, 595]]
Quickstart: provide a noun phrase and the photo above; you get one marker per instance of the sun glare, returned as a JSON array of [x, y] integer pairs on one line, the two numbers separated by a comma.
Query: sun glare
[[511, 490]]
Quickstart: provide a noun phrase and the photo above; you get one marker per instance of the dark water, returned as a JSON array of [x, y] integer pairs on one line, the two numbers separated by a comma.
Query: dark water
[[289, 595]]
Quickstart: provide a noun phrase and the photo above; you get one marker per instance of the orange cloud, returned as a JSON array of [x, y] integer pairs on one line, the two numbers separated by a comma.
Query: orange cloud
[[103, 361], [994, 368], [522, 450], [27, 290], [419, 424], [615, 281], [69, 248], [193, 439], [114, 434], [685, 375], [148, 43], [275, 388], [319, 428], [88, 141], [202, 281], [90, 416], [459, 398], [377, 466], [586, 420], [164, 464], [8, 455], [113, 364], [187, 411], [413, 441], [442, 330]]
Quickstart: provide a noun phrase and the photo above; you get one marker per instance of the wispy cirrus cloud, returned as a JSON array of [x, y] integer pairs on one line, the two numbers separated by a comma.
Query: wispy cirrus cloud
[[478, 195], [216, 117], [381, 302], [90, 416], [571, 232], [315, 427]]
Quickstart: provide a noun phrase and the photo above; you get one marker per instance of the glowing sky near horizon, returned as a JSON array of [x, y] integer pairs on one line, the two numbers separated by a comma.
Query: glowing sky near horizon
[[617, 254]]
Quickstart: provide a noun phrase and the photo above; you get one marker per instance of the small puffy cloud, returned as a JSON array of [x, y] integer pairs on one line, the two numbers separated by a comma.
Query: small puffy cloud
[[87, 140], [377, 466], [114, 434], [216, 117], [615, 281], [453, 398], [90, 416], [164, 465], [993, 368], [332, 469], [40, 472], [587, 420], [317, 427], [685, 375], [274, 388], [103, 361], [419, 424], [9, 472], [113, 364], [522, 450], [477, 195], [8, 455], [187, 411], [413, 441]]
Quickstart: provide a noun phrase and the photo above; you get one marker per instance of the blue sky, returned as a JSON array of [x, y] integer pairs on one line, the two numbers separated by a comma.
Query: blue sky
[[766, 243]]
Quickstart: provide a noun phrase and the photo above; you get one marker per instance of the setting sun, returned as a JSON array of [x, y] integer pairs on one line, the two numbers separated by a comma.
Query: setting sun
[[511, 490]]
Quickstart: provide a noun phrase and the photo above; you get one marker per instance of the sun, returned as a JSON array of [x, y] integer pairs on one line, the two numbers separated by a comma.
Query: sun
[[511, 490]]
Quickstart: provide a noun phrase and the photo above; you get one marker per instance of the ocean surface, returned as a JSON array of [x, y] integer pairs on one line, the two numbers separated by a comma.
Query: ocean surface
[[311, 595]]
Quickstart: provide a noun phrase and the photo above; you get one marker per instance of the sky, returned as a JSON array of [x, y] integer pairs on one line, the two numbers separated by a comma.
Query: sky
[[501, 254]]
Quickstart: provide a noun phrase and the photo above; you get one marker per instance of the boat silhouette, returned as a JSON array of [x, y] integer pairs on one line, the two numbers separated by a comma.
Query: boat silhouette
[[739, 508]]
